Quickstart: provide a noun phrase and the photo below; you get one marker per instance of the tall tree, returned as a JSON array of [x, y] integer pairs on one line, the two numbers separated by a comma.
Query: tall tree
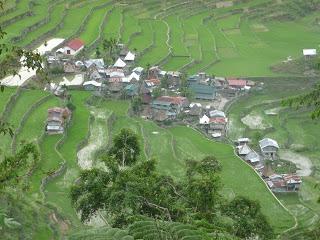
[[125, 147], [249, 222], [15, 169]]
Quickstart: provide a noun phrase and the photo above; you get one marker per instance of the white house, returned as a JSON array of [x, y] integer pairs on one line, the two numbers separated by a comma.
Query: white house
[[119, 63], [269, 148], [204, 120], [195, 104], [92, 85], [244, 150], [138, 70], [73, 47], [129, 57], [309, 52]]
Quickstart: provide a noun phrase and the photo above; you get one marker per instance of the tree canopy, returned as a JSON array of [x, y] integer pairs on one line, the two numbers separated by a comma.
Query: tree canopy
[[129, 193]]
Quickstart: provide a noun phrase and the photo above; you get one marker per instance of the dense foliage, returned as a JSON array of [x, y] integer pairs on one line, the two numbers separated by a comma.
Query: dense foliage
[[132, 191]]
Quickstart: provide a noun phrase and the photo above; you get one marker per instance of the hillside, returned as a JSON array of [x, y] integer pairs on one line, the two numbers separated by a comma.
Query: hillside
[[258, 42]]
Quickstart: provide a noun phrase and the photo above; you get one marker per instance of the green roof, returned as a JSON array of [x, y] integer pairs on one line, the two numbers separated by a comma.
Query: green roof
[[202, 91]]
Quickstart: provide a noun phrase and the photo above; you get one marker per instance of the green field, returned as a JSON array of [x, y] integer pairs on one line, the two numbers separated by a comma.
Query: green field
[[199, 37]]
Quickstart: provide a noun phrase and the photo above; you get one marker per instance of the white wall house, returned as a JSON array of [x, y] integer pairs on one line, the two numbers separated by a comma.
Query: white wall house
[[73, 47]]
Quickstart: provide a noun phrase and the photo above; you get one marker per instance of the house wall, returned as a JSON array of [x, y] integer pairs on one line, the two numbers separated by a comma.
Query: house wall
[[269, 149], [91, 88], [72, 52]]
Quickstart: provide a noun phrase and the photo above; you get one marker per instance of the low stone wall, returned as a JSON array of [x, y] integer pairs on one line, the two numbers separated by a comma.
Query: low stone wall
[[10, 103], [24, 119]]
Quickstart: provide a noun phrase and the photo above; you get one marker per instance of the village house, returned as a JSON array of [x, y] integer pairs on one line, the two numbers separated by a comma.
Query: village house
[[75, 83], [242, 141], [73, 47], [202, 91], [96, 63], [152, 83], [309, 53], [69, 67], [269, 148], [129, 58], [96, 76], [204, 120], [131, 90], [57, 119], [171, 106], [244, 150], [92, 86], [237, 84], [174, 77], [120, 64], [218, 122], [253, 158], [284, 183], [138, 70], [195, 109], [132, 78], [153, 72]]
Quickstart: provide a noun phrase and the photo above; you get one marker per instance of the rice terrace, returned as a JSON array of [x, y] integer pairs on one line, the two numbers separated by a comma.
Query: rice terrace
[[159, 119]]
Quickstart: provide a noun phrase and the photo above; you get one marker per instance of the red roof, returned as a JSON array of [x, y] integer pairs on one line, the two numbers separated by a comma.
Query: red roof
[[237, 82], [218, 120], [75, 44], [115, 80], [154, 81], [174, 100]]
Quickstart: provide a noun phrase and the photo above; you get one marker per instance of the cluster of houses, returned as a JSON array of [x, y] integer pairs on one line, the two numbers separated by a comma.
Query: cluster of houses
[[93, 74], [268, 151], [124, 79]]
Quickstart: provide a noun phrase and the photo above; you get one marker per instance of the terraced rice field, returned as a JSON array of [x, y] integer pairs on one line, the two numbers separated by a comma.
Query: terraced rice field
[[191, 36]]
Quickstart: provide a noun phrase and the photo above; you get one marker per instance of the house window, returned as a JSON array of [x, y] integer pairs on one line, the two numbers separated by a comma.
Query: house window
[[68, 51]]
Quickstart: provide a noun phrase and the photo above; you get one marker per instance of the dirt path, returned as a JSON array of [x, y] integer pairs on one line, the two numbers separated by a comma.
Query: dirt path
[[98, 137], [255, 121]]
